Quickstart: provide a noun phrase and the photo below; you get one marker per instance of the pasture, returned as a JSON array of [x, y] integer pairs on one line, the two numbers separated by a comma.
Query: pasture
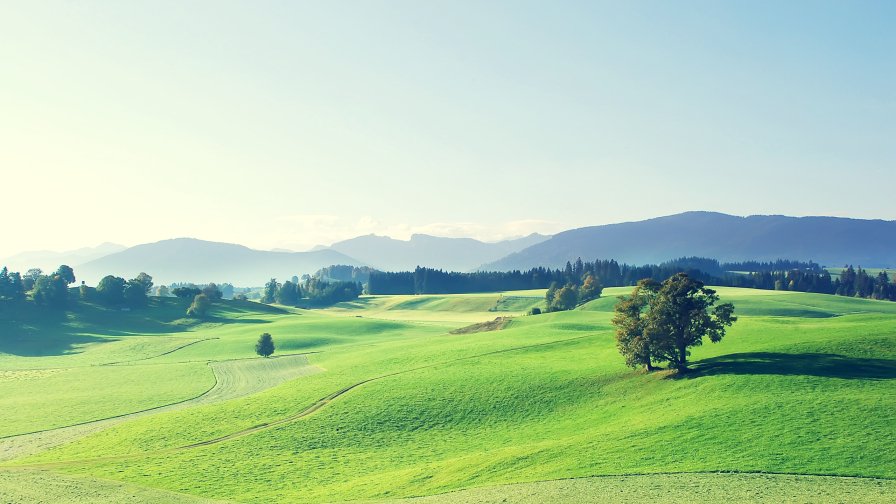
[[377, 400]]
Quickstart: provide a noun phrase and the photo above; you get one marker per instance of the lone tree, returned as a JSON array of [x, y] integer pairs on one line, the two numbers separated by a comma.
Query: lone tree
[[661, 322], [265, 345]]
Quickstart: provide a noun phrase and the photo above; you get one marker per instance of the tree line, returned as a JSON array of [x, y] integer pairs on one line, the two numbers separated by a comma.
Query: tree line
[[53, 290], [608, 273], [795, 276], [313, 291]]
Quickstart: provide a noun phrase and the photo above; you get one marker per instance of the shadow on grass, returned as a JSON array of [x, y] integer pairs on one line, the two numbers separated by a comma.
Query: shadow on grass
[[807, 364], [28, 330]]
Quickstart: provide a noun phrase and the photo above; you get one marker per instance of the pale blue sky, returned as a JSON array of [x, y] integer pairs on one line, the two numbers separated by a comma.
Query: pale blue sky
[[287, 124]]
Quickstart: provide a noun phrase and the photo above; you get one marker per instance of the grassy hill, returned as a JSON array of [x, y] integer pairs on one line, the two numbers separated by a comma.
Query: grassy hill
[[387, 404]]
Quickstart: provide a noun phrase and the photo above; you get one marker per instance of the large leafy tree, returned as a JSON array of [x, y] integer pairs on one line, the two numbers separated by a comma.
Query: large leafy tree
[[11, 286], [66, 273], [270, 291], [288, 294], [631, 320], [145, 282], [200, 306], [662, 323], [135, 293], [111, 289], [590, 289], [50, 290], [186, 292], [30, 278], [213, 291]]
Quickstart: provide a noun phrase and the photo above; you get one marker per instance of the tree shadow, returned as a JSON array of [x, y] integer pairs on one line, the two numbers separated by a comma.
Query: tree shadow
[[27, 330], [33, 341], [806, 364]]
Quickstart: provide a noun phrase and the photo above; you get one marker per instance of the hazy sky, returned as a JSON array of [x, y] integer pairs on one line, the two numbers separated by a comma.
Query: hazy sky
[[288, 124]]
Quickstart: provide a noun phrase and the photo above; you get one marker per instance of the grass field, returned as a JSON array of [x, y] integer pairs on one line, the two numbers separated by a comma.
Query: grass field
[[377, 400]]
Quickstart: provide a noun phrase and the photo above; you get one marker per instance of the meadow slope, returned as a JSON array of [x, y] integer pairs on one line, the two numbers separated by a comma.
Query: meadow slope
[[392, 405]]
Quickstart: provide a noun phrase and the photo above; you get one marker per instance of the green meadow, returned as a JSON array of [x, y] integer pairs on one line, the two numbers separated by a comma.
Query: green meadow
[[376, 400]]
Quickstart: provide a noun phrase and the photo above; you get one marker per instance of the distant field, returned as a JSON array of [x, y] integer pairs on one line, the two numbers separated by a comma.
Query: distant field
[[381, 402], [871, 271]]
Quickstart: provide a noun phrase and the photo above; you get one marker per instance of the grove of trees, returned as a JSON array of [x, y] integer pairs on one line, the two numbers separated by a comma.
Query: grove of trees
[[313, 290], [572, 294]]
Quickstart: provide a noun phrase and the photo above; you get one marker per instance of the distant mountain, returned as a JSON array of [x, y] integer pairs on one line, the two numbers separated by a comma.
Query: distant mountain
[[198, 261], [830, 241], [456, 254], [48, 260]]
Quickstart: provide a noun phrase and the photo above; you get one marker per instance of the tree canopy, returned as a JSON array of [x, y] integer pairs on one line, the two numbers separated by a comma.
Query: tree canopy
[[200, 306], [111, 289], [662, 322], [270, 291]]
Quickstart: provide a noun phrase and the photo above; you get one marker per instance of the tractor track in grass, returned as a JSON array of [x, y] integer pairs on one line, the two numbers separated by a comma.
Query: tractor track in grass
[[175, 349], [309, 410], [233, 379]]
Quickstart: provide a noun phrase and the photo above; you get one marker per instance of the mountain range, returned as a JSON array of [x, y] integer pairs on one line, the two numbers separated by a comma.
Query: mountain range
[[830, 241], [454, 254], [48, 260], [199, 261]]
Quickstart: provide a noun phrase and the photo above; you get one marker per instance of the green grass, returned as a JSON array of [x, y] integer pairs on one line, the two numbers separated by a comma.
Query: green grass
[[399, 407], [52, 487], [50, 398], [678, 488]]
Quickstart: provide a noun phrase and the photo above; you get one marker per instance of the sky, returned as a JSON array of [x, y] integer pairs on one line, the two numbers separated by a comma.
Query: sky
[[292, 124]]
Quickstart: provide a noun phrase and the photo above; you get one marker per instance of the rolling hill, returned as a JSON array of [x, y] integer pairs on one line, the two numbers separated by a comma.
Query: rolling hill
[[192, 260], [831, 241], [455, 254], [381, 399]]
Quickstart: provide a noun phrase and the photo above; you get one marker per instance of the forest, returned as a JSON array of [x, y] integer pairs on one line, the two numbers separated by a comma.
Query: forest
[[776, 275]]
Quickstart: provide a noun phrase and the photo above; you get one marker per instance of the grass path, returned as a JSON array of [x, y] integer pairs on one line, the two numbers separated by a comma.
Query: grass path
[[233, 379]]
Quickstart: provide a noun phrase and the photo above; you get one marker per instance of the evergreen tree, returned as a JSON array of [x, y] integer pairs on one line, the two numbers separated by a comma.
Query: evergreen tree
[[265, 345]]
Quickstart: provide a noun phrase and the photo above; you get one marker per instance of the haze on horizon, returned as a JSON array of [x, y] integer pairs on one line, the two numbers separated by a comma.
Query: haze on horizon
[[303, 123]]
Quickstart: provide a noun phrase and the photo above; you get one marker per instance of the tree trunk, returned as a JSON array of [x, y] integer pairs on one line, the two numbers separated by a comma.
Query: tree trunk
[[682, 363]]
